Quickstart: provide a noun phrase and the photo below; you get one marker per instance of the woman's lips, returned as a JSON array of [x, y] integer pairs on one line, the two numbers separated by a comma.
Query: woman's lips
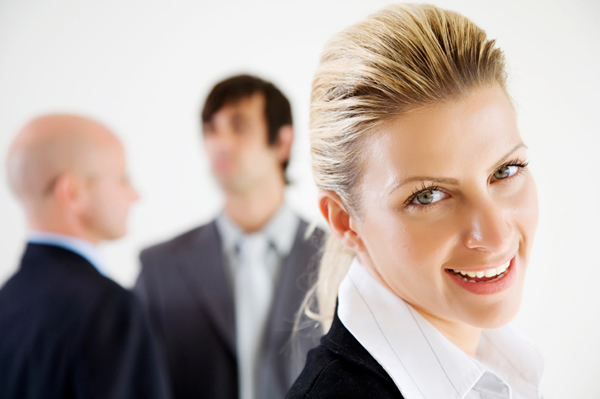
[[486, 282]]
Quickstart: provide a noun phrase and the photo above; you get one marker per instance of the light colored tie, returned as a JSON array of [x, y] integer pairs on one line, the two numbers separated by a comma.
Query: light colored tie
[[253, 294]]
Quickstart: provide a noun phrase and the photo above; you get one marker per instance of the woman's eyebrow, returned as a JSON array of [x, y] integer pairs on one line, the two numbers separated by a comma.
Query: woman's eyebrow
[[441, 180], [448, 180]]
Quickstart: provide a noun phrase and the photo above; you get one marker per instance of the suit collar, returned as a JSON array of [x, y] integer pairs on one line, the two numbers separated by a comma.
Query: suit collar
[[83, 248], [286, 350], [341, 342], [286, 231], [288, 291], [202, 269], [203, 273], [42, 255], [280, 231]]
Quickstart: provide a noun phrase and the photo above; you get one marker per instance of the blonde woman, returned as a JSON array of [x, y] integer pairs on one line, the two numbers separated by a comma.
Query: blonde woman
[[425, 187]]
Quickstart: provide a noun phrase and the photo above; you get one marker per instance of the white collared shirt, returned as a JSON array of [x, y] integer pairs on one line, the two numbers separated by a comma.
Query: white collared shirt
[[81, 247], [421, 361]]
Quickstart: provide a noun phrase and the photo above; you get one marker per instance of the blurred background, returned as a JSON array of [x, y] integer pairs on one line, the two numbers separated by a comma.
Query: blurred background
[[145, 67]]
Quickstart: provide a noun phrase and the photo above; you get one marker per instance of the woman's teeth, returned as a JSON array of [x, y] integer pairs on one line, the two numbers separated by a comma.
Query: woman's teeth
[[497, 272]]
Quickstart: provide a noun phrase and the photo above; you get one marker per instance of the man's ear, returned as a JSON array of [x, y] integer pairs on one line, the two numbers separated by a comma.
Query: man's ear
[[69, 192], [342, 225], [285, 138]]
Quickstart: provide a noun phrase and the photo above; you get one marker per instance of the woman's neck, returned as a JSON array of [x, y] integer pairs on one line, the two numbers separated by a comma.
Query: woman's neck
[[464, 336]]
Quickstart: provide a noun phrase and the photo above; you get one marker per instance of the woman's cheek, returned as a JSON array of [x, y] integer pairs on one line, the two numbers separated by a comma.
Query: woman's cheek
[[526, 211]]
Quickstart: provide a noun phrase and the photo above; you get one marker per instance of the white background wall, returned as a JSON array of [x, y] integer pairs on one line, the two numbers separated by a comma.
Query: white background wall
[[144, 68]]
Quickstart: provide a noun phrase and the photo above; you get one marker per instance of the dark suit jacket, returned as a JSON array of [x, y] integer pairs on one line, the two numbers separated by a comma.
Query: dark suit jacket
[[184, 285], [68, 332], [342, 368]]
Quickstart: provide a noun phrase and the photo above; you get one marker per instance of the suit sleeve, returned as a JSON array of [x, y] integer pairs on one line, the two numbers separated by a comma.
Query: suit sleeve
[[119, 358]]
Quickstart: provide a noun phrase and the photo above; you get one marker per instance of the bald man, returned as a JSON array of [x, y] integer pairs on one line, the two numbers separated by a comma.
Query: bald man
[[66, 331]]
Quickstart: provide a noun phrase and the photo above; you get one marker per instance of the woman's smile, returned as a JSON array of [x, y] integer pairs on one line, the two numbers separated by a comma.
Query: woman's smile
[[485, 281]]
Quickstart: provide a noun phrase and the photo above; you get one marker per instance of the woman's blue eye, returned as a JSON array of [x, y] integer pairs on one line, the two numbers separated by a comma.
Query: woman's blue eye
[[506, 171], [428, 197]]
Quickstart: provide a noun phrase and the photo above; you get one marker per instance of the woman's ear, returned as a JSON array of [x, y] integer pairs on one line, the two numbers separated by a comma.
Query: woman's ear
[[342, 225]]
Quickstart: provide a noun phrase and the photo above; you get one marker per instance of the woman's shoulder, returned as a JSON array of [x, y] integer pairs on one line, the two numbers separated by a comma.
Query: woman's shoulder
[[341, 367]]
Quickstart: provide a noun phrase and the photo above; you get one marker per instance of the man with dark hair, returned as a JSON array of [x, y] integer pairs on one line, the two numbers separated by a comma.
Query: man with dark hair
[[223, 297]]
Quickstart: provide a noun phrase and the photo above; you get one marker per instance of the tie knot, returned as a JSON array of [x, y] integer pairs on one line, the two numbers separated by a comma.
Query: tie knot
[[253, 248]]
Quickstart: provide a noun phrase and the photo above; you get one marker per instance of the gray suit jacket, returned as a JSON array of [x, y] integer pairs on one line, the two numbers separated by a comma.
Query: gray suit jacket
[[184, 287]]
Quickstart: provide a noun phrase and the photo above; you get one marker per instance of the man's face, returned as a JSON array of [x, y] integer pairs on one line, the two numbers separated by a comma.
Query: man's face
[[237, 145], [109, 194]]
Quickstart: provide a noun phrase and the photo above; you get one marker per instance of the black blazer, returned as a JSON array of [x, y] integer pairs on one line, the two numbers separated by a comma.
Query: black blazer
[[185, 289], [68, 332], [342, 368]]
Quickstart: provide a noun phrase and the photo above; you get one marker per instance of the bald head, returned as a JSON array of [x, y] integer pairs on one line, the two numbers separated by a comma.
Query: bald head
[[69, 173], [50, 146]]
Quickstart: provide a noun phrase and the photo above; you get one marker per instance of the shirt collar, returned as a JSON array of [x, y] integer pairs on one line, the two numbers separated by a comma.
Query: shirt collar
[[85, 249], [421, 361], [512, 356], [280, 230]]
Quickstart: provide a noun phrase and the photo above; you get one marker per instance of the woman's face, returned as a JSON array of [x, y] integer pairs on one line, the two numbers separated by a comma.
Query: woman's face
[[447, 203]]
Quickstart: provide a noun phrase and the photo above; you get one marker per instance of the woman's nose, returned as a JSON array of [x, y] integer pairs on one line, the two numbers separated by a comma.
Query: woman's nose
[[488, 227]]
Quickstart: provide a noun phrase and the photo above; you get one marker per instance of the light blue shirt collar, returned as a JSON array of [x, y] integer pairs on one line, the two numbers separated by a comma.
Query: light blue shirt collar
[[81, 247], [280, 230]]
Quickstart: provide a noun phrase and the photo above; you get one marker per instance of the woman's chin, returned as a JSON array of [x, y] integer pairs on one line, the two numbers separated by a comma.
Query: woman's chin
[[493, 316]]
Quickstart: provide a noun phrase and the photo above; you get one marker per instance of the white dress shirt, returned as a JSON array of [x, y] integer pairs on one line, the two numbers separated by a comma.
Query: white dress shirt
[[276, 240], [421, 361], [81, 247]]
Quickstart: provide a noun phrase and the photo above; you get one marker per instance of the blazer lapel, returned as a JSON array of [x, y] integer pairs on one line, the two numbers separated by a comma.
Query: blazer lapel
[[203, 273], [294, 280]]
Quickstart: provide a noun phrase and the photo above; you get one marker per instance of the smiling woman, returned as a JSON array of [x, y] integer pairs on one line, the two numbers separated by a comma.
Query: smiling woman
[[424, 184]]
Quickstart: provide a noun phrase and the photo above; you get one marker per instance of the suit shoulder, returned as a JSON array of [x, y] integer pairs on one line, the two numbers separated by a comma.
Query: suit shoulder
[[79, 281], [178, 243], [318, 234], [57, 302], [328, 375], [312, 234], [120, 294], [342, 367], [119, 304], [102, 291]]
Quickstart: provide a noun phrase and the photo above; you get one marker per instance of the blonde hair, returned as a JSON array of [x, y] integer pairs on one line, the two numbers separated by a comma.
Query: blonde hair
[[398, 59]]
